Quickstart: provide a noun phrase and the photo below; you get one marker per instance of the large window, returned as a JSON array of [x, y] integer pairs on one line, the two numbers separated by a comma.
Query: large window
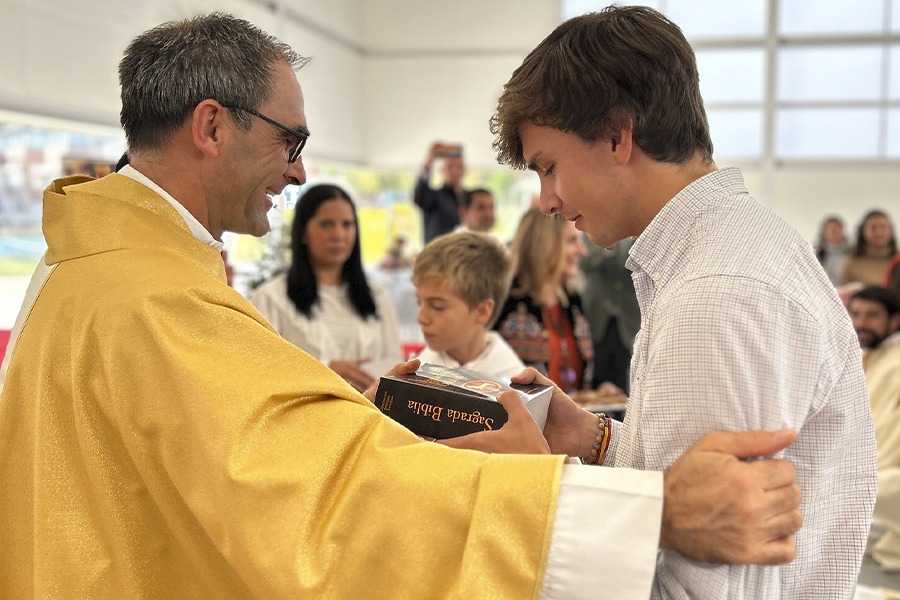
[[792, 79]]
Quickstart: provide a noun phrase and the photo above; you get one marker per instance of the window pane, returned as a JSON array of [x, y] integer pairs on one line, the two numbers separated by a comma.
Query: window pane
[[736, 133], [893, 131], [895, 16], [734, 75], [894, 77], [718, 18], [805, 17], [827, 133], [830, 73]]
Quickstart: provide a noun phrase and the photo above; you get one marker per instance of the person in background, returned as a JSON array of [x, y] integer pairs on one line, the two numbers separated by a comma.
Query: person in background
[[324, 303], [461, 281], [875, 315], [611, 308], [159, 439], [123, 160], [868, 261], [396, 257], [740, 327], [477, 211], [875, 312], [441, 206], [542, 318], [831, 248], [892, 277]]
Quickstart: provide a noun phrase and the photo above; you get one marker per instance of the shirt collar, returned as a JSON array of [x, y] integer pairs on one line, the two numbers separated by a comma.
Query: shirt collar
[[668, 236], [198, 230]]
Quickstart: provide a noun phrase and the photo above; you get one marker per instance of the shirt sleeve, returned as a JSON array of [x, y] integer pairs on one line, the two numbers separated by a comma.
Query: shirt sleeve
[[605, 535], [423, 195]]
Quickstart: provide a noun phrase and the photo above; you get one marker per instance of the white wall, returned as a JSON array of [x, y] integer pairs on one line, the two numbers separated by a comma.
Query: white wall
[[60, 58], [804, 193], [434, 70]]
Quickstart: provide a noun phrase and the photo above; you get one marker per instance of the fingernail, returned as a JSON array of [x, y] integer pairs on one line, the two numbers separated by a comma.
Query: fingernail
[[783, 434]]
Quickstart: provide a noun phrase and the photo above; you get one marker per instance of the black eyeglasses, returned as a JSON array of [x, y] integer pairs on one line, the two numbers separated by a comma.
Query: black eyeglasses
[[294, 152]]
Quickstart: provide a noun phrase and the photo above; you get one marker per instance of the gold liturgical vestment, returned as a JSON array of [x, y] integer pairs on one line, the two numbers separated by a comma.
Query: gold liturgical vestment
[[159, 440]]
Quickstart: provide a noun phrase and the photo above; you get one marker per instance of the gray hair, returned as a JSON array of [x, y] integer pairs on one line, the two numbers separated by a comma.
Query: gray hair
[[170, 69]]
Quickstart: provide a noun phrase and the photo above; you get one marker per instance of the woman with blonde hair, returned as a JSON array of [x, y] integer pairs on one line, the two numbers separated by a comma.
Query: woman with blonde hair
[[542, 318]]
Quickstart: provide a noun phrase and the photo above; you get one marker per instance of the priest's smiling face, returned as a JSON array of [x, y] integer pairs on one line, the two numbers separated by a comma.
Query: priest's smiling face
[[256, 166]]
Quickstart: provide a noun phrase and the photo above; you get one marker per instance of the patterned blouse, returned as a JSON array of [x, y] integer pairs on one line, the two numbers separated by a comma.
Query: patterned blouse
[[539, 342]]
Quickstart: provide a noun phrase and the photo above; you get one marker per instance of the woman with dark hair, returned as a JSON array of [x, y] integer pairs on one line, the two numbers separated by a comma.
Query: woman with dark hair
[[876, 245], [324, 303]]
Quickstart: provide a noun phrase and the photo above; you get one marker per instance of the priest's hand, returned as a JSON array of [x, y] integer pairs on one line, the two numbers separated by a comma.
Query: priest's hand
[[403, 368], [718, 508], [520, 434], [569, 429]]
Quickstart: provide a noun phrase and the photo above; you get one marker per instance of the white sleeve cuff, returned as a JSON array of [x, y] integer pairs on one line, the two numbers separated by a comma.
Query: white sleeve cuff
[[605, 535]]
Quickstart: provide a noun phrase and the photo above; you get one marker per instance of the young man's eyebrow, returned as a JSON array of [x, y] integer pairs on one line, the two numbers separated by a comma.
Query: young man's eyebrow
[[532, 164]]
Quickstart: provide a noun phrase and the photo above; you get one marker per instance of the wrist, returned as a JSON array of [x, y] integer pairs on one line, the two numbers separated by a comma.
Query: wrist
[[587, 433], [599, 443]]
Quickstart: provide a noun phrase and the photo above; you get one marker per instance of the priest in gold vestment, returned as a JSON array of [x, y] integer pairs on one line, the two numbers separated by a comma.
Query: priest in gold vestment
[[159, 440]]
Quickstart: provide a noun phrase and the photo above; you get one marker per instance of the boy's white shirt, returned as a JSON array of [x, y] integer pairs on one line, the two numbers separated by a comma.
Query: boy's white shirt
[[497, 358]]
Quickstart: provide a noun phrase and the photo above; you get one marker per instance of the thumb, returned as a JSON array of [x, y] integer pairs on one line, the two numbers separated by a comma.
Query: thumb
[[513, 404], [404, 368], [747, 444]]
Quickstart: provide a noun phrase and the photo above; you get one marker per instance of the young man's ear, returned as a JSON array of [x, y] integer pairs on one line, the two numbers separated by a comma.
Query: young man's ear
[[485, 309], [621, 142]]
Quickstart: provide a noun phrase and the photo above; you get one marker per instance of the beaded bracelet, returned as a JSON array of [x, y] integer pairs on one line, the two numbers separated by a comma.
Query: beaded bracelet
[[601, 442]]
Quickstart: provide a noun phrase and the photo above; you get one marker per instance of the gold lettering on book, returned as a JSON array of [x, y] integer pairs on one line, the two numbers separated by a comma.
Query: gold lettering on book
[[426, 410], [472, 417], [386, 401]]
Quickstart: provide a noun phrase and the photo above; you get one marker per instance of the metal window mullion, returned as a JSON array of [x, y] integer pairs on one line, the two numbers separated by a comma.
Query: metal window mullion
[[885, 84], [770, 121]]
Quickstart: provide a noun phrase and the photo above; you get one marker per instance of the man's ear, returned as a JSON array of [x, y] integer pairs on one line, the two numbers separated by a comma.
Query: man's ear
[[208, 127], [894, 324], [622, 143], [484, 310]]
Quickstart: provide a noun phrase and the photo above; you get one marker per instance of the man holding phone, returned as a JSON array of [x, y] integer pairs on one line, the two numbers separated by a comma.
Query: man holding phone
[[440, 206]]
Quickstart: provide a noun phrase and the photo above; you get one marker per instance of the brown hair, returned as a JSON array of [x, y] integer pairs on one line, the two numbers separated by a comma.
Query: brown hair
[[596, 72], [170, 69], [474, 266], [862, 246]]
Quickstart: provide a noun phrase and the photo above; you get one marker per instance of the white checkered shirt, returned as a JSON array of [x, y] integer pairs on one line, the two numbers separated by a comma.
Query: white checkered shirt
[[741, 329]]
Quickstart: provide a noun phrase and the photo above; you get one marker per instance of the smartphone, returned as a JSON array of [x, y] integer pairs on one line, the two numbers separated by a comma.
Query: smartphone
[[451, 151]]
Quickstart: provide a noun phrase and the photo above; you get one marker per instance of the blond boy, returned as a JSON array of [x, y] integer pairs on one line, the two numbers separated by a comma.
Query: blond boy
[[461, 282]]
